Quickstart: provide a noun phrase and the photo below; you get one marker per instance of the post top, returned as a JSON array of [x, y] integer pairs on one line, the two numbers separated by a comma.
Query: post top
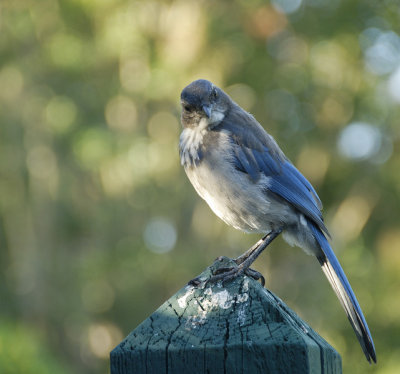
[[221, 319]]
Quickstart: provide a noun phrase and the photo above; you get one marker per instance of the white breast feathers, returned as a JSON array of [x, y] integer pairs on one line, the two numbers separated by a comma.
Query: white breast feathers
[[190, 141]]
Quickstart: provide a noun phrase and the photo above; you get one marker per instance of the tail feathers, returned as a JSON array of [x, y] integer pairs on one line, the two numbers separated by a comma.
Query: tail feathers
[[335, 274]]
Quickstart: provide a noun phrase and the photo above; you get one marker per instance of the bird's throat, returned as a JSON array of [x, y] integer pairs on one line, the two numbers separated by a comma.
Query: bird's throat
[[190, 143]]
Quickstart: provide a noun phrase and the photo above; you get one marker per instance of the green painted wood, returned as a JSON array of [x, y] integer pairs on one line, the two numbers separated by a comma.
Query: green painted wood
[[237, 328]]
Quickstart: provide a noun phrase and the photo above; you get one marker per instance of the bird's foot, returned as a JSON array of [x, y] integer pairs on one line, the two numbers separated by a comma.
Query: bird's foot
[[195, 282], [225, 270], [226, 274]]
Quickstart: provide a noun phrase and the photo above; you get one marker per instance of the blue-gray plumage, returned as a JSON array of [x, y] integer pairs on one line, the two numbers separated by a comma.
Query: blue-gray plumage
[[243, 175]]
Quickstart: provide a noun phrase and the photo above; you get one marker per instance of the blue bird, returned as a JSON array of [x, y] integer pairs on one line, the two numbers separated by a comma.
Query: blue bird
[[248, 182]]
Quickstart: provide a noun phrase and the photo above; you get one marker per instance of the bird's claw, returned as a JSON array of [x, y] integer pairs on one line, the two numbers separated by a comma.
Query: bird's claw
[[227, 274], [195, 282], [223, 270], [256, 275]]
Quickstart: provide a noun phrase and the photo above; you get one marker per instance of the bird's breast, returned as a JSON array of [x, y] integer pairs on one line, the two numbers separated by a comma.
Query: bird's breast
[[231, 194]]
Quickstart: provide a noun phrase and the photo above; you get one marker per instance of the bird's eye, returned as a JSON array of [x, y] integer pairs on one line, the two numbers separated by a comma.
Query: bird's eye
[[187, 108]]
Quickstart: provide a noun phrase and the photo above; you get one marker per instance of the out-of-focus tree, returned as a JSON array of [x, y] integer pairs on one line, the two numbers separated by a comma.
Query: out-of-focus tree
[[99, 225]]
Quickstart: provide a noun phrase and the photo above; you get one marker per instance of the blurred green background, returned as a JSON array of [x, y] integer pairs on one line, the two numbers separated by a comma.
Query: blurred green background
[[98, 223]]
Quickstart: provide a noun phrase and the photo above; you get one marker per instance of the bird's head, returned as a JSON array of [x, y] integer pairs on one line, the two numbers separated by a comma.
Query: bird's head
[[201, 100]]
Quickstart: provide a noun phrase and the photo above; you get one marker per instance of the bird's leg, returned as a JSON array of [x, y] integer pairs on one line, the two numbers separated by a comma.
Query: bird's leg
[[250, 272], [248, 253], [245, 260]]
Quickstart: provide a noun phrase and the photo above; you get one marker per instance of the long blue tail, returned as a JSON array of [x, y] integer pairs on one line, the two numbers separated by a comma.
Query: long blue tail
[[335, 274]]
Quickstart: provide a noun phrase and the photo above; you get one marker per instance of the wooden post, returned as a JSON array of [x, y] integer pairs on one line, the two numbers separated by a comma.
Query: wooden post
[[237, 328]]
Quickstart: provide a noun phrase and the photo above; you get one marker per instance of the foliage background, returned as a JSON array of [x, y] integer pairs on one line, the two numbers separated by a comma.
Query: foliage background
[[98, 223]]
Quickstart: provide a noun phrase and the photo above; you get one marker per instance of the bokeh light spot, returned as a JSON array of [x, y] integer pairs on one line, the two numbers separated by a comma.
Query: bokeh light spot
[[117, 176], [139, 159], [381, 50], [314, 162], [65, 50], [163, 127], [288, 48], [335, 110], [329, 62], [160, 235], [60, 113], [359, 141], [121, 113], [394, 85], [91, 147], [103, 337], [266, 22], [183, 28], [389, 249], [351, 217]]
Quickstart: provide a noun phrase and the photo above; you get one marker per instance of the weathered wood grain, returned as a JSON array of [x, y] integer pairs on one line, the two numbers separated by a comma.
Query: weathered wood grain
[[240, 327]]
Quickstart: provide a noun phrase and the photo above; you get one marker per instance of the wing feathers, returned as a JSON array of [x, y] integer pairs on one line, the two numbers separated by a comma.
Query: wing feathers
[[256, 153], [284, 180]]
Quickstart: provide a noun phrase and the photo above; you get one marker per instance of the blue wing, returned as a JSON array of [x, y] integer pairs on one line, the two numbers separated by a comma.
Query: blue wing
[[284, 180], [256, 153]]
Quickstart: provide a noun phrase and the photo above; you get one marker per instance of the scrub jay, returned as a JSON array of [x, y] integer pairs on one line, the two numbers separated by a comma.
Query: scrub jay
[[248, 182]]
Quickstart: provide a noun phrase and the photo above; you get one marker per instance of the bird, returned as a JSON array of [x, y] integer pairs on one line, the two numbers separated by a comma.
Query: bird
[[249, 183]]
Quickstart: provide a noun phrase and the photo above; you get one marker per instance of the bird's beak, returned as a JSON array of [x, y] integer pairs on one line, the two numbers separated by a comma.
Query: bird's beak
[[207, 110]]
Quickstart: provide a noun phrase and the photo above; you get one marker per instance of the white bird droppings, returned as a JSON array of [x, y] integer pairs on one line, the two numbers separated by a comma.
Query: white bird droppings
[[182, 300]]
